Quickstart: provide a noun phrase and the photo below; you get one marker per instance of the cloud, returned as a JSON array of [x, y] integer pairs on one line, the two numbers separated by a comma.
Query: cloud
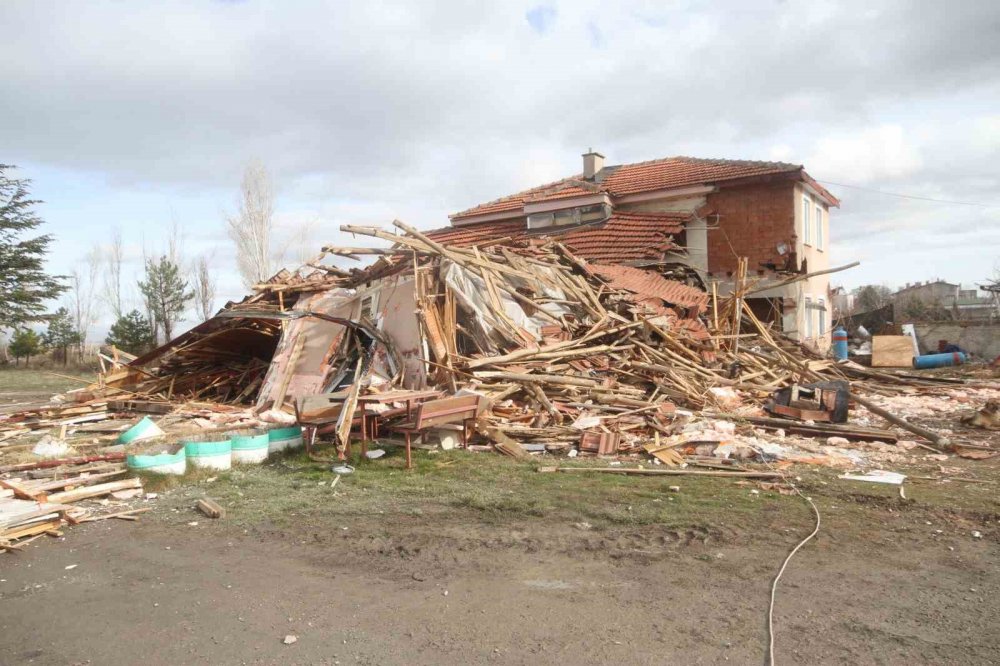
[[541, 18], [871, 155], [369, 111]]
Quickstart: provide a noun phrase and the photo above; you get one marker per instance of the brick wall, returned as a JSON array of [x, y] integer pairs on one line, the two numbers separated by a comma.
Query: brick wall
[[755, 219]]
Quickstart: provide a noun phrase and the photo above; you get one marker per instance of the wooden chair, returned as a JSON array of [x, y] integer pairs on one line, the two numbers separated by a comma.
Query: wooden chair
[[318, 414], [462, 409]]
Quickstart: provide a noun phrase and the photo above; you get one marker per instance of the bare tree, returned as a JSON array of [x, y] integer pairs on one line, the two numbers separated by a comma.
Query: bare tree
[[204, 288], [114, 256], [250, 229], [83, 294]]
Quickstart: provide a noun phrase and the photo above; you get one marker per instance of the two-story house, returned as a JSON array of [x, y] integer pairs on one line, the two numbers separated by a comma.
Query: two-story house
[[687, 218]]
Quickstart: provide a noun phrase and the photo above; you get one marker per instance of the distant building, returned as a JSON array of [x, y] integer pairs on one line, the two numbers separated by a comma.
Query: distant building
[[940, 300]]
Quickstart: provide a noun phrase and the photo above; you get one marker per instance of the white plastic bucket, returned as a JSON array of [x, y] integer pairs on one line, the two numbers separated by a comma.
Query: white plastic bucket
[[144, 429], [250, 448], [210, 455], [162, 463], [280, 439]]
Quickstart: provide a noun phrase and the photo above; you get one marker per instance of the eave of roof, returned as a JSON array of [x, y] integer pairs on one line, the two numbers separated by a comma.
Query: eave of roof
[[623, 237], [640, 177]]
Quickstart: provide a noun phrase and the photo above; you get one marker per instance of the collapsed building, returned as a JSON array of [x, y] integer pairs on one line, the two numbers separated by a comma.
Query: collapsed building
[[567, 354]]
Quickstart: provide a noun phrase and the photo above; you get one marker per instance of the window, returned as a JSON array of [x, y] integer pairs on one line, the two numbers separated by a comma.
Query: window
[[819, 227], [806, 227], [366, 308], [568, 216], [807, 317], [821, 313]]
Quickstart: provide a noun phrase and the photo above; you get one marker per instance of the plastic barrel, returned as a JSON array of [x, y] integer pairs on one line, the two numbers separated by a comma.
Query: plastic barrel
[[284, 438], [161, 463], [210, 455], [938, 360], [250, 448], [840, 343], [144, 429]]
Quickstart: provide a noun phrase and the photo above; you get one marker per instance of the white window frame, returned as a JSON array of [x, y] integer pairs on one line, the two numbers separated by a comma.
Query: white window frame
[[807, 317], [819, 227], [806, 226], [821, 314]]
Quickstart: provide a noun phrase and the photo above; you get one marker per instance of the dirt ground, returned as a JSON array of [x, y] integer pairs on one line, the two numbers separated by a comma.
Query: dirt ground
[[384, 574], [477, 559]]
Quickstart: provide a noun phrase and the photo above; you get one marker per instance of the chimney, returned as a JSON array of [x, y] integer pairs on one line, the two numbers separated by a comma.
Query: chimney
[[592, 163]]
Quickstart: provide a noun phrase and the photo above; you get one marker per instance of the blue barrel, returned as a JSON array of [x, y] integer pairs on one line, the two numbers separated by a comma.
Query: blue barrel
[[938, 360], [840, 343]]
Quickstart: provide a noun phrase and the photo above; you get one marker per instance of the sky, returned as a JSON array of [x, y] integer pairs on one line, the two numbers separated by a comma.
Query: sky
[[142, 116]]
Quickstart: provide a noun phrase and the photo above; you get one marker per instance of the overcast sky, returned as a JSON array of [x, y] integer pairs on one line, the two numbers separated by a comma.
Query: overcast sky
[[141, 115]]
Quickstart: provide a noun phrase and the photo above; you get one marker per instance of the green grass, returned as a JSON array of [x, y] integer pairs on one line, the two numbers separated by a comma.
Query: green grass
[[492, 489], [40, 382]]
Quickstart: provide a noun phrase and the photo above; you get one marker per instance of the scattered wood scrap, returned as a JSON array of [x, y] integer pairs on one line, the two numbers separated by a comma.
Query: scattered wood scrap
[[32, 509], [210, 508]]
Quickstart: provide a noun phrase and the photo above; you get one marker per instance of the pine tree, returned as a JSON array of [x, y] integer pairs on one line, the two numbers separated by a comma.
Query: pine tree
[[61, 335], [24, 344], [24, 284], [165, 293], [131, 333]]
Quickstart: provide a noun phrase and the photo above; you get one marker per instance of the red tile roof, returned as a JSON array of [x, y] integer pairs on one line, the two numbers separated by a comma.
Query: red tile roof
[[670, 172], [650, 284], [563, 193], [624, 237], [683, 172], [515, 201], [477, 234]]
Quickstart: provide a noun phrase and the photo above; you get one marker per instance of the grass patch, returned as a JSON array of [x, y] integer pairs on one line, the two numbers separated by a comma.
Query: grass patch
[[494, 489], [491, 487], [34, 381]]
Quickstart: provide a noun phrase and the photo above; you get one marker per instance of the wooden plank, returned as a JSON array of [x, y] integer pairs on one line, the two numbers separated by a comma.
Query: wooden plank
[[76, 481], [505, 444], [210, 508], [892, 351], [22, 491], [666, 472], [94, 491], [118, 514]]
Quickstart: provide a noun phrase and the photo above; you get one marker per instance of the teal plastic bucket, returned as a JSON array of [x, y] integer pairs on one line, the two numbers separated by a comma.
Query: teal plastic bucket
[[144, 429], [210, 455], [161, 463], [250, 448], [284, 438]]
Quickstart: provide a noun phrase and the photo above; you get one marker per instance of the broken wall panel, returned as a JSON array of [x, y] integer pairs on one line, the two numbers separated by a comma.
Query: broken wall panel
[[307, 348]]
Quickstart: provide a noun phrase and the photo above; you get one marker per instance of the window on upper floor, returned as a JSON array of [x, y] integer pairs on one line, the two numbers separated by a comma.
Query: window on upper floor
[[569, 216], [819, 227], [806, 226]]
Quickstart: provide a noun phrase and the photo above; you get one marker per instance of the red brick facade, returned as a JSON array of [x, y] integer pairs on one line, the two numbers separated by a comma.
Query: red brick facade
[[752, 221]]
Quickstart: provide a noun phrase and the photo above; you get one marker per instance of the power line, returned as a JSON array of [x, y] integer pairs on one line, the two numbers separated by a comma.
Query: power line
[[905, 196]]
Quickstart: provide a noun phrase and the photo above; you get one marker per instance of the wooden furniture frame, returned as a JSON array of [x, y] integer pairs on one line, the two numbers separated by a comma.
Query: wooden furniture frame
[[462, 409]]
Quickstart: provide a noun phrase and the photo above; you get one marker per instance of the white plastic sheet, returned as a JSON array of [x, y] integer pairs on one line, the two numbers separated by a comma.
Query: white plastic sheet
[[471, 292]]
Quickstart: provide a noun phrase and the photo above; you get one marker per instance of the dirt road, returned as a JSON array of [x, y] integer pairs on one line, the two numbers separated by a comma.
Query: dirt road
[[451, 589]]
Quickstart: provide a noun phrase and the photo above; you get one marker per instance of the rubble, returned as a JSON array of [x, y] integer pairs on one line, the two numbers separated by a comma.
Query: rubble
[[40, 499], [566, 357]]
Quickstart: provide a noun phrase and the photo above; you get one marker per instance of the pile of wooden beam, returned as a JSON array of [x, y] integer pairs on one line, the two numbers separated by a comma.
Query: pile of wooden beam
[[620, 348], [37, 500]]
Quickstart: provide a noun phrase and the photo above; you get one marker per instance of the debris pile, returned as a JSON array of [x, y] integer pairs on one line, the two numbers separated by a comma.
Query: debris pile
[[39, 499], [565, 357]]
